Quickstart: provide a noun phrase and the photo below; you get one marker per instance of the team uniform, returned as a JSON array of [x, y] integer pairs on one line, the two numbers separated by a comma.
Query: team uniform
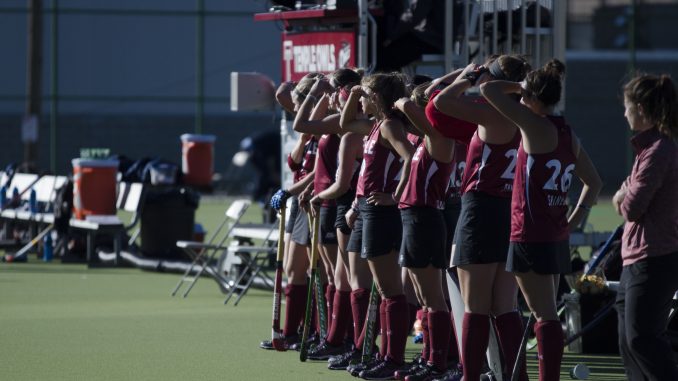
[[486, 202], [345, 201], [377, 230], [325, 173], [421, 206], [300, 231], [539, 228]]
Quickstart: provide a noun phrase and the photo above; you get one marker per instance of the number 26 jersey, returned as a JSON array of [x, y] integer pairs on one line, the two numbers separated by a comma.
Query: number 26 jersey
[[539, 204]]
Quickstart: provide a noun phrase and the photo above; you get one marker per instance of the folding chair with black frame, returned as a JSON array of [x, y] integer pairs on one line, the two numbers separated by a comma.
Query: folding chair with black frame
[[203, 254], [256, 260]]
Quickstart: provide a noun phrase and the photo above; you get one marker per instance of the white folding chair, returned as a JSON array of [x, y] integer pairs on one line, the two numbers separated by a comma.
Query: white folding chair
[[203, 253]]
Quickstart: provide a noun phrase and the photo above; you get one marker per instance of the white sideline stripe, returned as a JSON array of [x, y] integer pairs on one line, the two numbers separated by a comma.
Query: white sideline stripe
[[621, 55]]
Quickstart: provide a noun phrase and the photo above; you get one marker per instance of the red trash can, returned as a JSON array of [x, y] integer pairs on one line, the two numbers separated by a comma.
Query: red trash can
[[197, 159], [94, 183]]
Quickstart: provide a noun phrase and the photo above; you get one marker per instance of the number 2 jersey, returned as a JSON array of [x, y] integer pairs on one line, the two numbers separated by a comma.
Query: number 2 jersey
[[490, 167], [539, 204]]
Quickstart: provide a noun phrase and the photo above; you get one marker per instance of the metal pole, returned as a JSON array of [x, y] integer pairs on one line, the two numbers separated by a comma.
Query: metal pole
[[34, 80], [448, 38], [362, 34], [54, 79], [199, 66], [509, 27]]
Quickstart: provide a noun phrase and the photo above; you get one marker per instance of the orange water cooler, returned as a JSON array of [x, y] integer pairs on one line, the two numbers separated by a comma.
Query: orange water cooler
[[94, 183], [197, 159]]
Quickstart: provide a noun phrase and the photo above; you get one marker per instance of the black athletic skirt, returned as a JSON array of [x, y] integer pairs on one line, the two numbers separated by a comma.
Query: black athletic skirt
[[294, 211], [451, 216], [483, 229], [540, 257], [423, 242], [343, 206], [328, 233], [377, 231]]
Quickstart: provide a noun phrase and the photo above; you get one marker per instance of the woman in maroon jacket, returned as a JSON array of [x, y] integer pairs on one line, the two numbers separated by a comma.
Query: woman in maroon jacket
[[648, 201], [548, 156]]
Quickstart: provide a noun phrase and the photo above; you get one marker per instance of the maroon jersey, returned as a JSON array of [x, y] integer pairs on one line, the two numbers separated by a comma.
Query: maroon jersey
[[490, 167], [459, 164], [428, 181], [326, 167], [380, 171], [539, 205], [307, 160]]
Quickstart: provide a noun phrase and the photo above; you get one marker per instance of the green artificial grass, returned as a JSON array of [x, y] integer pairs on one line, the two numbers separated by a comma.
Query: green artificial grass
[[68, 322]]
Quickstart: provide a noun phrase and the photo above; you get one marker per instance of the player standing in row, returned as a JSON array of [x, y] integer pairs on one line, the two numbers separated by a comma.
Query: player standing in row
[[327, 190], [424, 237], [377, 231], [301, 161], [548, 156], [489, 292], [647, 201]]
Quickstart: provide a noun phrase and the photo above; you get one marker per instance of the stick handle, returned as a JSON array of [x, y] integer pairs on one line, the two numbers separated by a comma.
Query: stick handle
[[276, 334]]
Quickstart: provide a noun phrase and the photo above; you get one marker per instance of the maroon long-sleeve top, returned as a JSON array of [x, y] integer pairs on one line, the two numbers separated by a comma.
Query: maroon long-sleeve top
[[650, 206]]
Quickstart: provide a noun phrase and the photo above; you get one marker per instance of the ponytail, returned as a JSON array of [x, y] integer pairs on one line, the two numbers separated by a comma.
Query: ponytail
[[656, 95]]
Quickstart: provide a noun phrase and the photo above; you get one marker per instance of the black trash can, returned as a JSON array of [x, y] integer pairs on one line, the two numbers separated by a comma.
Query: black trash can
[[168, 216]]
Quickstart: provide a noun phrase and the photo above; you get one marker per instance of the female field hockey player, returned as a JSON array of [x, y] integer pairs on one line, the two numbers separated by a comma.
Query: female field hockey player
[[489, 292], [548, 157]]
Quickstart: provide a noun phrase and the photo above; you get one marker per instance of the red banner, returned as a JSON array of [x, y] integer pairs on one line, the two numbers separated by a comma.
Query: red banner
[[323, 52]]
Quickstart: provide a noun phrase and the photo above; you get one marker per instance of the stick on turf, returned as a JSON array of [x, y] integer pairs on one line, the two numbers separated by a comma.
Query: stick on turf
[[517, 367], [370, 322], [309, 299], [276, 334]]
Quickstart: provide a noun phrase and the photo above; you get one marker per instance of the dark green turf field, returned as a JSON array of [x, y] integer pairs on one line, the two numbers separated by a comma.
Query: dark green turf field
[[67, 322]]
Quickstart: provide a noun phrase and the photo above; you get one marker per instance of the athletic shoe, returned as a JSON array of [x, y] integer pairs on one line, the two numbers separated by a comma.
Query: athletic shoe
[[342, 361], [412, 368], [383, 370], [324, 351], [312, 341], [425, 373], [289, 341], [355, 368], [452, 375]]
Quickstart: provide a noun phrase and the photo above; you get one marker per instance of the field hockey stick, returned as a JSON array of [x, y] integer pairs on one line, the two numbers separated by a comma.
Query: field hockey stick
[[24, 250], [276, 334], [303, 352], [370, 322], [322, 307], [604, 250], [321, 303], [517, 367]]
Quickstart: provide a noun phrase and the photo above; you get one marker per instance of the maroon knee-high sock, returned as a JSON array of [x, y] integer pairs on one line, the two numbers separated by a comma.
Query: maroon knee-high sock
[[360, 299], [340, 317], [412, 311], [397, 320], [295, 308], [550, 349], [425, 329], [474, 339], [509, 327], [383, 328], [439, 336], [453, 350]]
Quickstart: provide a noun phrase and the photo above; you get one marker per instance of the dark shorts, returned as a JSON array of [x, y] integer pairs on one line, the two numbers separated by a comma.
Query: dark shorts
[[294, 211], [328, 233], [483, 230], [344, 205], [451, 216], [423, 242], [377, 231], [301, 234], [540, 257]]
